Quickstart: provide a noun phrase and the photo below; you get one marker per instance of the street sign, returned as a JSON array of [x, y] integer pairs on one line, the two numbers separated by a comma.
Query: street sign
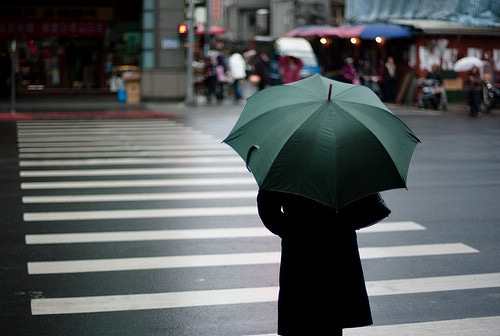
[[170, 43]]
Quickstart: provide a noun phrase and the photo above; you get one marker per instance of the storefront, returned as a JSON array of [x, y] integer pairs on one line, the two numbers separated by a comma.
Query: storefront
[[68, 49], [442, 43]]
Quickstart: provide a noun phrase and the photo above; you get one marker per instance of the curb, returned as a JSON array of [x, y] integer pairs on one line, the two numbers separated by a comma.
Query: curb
[[7, 116]]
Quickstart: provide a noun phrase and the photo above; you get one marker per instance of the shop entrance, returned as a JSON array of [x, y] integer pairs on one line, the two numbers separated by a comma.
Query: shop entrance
[[61, 64], [65, 48]]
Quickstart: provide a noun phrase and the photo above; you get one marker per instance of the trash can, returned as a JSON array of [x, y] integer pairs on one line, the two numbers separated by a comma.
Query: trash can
[[131, 76]]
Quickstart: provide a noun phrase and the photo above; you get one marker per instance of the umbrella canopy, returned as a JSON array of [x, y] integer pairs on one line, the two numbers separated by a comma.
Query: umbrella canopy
[[387, 31], [214, 30], [366, 31], [467, 63], [311, 31], [325, 140]]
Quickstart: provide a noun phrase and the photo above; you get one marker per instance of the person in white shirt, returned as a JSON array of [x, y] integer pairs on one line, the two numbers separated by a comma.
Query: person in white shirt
[[237, 70]]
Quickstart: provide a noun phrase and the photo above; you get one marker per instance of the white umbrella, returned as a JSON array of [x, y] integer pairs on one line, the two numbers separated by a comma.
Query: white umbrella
[[467, 63]]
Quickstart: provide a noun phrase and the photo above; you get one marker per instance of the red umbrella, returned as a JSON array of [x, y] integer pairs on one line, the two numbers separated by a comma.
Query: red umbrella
[[214, 30], [311, 31]]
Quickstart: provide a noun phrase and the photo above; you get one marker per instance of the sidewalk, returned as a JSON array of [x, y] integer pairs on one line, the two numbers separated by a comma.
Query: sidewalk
[[106, 107], [67, 103], [77, 107], [228, 106]]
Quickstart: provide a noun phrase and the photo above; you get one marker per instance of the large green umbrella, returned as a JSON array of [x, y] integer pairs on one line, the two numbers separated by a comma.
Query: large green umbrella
[[325, 140]]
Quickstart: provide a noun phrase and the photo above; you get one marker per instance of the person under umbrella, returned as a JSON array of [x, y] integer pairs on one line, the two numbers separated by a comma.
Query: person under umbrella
[[322, 287], [321, 151], [290, 67], [474, 87]]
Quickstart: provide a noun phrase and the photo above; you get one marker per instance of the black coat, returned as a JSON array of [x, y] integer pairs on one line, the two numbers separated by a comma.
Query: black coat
[[322, 288]]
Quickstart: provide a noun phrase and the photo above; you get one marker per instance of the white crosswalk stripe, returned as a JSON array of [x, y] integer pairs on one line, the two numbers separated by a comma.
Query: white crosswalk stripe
[[478, 326], [61, 180], [96, 123], [26, 132], [141, 197], [140, 183], [93, 304], [125, 143], [129, 172], [221, 152], [228, 259], [131, 161], [148, 235], [124, 154], [93, 138], [81, 147], [97, 237], [116, 132], [142, 213]]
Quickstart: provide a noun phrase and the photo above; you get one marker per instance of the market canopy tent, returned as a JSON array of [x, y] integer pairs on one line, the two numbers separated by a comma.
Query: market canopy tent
[[365, 31], [311, 31]]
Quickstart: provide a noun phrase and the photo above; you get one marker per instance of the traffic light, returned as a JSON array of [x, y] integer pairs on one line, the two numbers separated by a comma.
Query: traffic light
[[182, 30]]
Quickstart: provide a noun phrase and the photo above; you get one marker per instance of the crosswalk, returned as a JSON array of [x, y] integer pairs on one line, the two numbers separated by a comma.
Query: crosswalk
[[126, 199]]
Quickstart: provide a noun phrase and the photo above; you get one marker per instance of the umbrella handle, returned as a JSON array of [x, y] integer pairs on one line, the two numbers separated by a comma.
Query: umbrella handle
[[330, 93], [250, 151]]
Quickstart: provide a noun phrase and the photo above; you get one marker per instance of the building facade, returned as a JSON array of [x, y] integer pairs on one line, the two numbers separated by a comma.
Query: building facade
[[163, 55], [80, 47], [245, 19]]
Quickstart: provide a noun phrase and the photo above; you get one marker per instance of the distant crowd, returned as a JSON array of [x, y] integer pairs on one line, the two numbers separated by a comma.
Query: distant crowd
[[220, 75]]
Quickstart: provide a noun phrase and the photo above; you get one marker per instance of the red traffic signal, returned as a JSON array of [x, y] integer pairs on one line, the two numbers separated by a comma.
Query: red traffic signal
[[182, 29]]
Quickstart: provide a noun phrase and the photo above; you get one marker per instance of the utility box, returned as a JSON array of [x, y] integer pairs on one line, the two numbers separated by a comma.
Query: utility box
[[132, 87], [131, 76]]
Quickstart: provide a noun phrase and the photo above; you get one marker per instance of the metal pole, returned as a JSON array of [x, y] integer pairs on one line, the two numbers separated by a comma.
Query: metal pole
[[208, 24], [13, 65], [190, 46]]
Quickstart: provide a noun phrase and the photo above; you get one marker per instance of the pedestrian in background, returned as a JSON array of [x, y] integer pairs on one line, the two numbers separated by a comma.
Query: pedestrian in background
[[488, 69], [275, 75], [348, 72], [322, 287], [210, 78], [237, 70], [473, 86], [261, 69], [389, 82], [435, 74], [222, 78], [290, 68]]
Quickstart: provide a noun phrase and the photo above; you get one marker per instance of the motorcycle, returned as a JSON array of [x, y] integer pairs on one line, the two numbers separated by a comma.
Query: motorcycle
[[490, 95]]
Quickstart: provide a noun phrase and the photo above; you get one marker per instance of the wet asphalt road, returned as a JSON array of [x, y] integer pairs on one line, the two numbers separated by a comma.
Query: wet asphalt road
[[453, 196]]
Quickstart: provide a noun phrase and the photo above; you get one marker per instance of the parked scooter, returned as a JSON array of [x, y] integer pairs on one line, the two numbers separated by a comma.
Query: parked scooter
[[490, 96]]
